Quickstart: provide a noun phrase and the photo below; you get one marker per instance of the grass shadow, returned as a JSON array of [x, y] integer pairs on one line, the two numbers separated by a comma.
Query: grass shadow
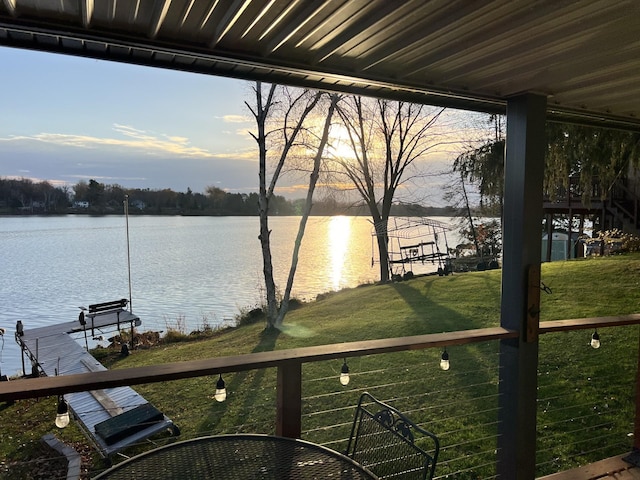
[[245, 385], [467, 393]]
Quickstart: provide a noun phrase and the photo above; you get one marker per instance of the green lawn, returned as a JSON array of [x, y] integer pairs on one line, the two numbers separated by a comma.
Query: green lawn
[[586, 396]]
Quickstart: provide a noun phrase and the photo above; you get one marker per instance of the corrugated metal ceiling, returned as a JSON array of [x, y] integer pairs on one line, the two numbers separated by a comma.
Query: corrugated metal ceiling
[[584, 55]]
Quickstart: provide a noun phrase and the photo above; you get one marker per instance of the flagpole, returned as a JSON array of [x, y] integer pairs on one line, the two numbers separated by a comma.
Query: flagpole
[[126, 216]]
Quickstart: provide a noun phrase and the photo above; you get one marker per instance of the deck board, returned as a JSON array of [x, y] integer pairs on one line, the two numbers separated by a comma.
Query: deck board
[[607, 469]]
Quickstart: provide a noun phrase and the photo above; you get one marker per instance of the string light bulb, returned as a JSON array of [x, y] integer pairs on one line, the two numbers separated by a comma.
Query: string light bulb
[[62, 416], [344, 374], [595, 340], [221, 391], [444, 360]]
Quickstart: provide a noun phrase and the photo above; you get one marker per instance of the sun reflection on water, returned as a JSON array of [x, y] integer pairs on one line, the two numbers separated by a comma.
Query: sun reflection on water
[[339, 235]]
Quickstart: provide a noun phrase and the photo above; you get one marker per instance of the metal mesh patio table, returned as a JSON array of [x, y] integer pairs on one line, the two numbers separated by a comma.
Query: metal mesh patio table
[[243, 457]]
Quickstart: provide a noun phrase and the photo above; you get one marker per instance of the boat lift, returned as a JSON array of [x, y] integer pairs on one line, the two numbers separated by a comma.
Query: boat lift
[[416, 242]]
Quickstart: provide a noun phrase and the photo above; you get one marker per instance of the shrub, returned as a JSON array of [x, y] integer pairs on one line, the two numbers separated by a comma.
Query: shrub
[[248, 317], [611, 242]]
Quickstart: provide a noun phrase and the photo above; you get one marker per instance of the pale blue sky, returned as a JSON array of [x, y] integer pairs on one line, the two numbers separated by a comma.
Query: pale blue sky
[[68, 118]]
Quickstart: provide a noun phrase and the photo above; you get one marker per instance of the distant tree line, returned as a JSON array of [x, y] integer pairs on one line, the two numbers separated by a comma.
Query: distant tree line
[[25, 197]]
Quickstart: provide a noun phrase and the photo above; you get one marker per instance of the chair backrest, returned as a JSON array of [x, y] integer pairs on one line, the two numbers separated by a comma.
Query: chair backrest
[[389, 444]]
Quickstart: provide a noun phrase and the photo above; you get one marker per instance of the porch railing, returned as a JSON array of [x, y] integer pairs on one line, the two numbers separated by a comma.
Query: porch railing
[[289, 415]]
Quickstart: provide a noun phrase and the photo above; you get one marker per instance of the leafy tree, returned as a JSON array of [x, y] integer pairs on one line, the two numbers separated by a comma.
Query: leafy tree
[[598, 157], [216, 197], [456, 195], [80, 191], [487, 237], [95, 193], [114, 195], [484, 166], [26, 196]]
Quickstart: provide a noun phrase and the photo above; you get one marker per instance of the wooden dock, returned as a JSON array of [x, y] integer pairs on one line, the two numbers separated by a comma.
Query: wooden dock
[[45, 346], [113, 418]]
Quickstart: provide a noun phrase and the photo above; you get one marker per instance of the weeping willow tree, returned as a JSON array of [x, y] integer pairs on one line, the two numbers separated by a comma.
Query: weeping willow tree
[[597, 157], [482, 167], [580, 160]]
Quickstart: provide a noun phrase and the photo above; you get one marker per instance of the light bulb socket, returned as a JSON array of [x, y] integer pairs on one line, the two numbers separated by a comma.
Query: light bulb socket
[[345, 368], [221, 391], [62, 406], [344, 374], [62, 413], [220, 383]]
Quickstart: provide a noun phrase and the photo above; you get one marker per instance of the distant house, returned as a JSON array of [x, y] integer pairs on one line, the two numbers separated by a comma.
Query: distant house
[[81, 204], [139, 204]]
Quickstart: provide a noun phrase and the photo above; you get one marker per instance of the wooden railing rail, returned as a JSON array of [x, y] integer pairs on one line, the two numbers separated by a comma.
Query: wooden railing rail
[[46, 386], [587, 323]]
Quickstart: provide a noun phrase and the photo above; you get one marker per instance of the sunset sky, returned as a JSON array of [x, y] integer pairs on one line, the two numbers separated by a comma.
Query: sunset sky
[[66, 119]]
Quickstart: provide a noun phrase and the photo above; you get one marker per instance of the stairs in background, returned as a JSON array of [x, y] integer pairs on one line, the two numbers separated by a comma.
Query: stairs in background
[[623, 208]]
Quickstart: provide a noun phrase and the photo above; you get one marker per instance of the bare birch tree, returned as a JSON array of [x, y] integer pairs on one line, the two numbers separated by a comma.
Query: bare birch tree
[[281, 116]]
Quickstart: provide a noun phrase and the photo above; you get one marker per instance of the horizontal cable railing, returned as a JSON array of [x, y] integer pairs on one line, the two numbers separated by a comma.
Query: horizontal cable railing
[[459, 405], [586, 397]]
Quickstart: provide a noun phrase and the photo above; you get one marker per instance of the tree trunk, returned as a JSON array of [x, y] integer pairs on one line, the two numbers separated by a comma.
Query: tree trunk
[[267, 264], [263, 208], [383, 251], [382, 240], [261, 114], [313, 180], [470, 217]]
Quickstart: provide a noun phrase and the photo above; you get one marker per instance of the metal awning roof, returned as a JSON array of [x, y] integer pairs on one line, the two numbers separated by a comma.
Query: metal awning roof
[[584, 55]]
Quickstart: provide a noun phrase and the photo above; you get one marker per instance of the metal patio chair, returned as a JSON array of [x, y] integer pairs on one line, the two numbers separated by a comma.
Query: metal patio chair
[[389, 444]]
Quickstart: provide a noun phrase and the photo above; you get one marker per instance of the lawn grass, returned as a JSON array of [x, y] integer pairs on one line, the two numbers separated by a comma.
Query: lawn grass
[[586, 396]]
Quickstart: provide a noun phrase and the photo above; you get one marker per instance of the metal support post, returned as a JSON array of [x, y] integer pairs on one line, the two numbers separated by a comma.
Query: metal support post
[[522, 240]]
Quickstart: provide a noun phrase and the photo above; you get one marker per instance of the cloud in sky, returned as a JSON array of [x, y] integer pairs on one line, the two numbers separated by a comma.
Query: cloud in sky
[[131, 157], [131, 139], [136, 126], [236, 119]]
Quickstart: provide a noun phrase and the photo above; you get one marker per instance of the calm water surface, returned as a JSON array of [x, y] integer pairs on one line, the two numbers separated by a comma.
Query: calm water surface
[[195, 269]]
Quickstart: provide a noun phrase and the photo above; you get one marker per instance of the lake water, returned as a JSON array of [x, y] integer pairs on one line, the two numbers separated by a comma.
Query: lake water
[[187, 268]]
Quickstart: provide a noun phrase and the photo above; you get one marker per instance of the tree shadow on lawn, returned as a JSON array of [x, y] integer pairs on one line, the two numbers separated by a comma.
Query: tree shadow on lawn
[[459, 405], [245, 385], [433, 315]]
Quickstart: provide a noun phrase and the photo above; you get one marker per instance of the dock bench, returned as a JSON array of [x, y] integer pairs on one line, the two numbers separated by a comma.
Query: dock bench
[[106, 308]]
